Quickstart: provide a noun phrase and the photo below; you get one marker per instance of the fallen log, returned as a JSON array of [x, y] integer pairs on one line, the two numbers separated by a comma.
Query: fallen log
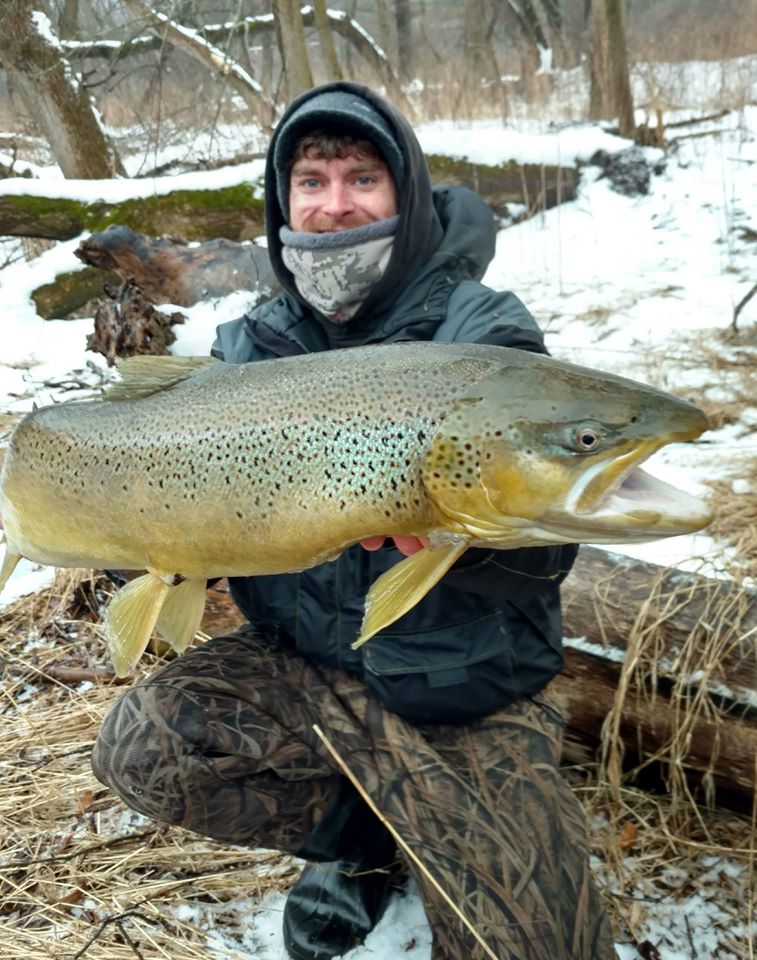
[[646, 727], [689, 625], [169, 271], [663, 665], [234, 212], [70, 291], [533, 186]]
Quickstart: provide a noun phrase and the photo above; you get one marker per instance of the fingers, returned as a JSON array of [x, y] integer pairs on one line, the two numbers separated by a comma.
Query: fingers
[[373, 543], [407, 546]]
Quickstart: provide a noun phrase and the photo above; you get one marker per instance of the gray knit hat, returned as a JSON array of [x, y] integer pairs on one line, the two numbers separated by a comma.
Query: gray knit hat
[[346, 112]]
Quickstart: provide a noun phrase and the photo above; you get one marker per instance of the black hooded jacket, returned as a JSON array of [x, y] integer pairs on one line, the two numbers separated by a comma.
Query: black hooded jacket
[[490, 631]]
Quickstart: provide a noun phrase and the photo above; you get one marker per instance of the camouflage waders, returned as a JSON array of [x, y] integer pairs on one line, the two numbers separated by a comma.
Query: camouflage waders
[[221, 741]]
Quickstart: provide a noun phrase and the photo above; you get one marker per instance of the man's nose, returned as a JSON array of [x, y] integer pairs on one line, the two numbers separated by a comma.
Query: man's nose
[[338, 200]]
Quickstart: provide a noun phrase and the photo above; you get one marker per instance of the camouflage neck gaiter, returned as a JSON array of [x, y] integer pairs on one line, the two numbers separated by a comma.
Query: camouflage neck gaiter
[[335, 272]]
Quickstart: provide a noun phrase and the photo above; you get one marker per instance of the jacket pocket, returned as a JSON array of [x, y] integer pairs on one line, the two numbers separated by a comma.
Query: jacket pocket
[[453, 674]]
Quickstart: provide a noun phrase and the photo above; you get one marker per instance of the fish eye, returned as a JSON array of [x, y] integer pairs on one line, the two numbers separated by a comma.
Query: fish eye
[[586, 439]]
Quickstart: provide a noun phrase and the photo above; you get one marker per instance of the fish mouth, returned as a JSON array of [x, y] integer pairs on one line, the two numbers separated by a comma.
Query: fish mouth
[[618, 499]]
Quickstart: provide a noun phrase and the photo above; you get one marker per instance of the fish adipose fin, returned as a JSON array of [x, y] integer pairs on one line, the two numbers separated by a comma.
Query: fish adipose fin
[[142, 376], [400, 588], [10, 560], [180, 616], [130, 620]]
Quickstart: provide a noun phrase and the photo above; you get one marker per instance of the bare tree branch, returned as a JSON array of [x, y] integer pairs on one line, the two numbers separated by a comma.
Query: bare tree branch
[[211, 56], [342, 23]]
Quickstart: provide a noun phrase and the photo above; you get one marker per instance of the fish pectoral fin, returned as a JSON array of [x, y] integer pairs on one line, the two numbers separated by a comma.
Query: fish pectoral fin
[[130, 620], [180, 616], [399, 589], [10, 560], [141, 376]]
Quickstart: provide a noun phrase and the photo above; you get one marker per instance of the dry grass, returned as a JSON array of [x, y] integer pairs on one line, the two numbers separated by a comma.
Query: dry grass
[[735, 522], [80, 875]]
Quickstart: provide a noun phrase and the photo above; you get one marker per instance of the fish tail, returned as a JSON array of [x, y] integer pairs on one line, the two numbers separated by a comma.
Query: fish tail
[[130, 620], [398, 589], [180, 616]]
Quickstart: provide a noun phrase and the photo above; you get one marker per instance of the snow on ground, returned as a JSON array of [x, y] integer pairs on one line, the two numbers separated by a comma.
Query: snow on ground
[[630, 285]]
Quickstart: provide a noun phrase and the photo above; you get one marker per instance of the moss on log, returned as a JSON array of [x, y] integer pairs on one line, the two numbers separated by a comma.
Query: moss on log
[[234, 212], [70, 291]]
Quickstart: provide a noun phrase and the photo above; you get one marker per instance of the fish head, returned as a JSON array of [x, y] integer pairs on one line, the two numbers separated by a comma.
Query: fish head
[[548, 452]]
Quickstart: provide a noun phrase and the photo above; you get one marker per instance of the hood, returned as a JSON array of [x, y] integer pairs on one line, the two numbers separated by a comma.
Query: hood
[[420, 233]]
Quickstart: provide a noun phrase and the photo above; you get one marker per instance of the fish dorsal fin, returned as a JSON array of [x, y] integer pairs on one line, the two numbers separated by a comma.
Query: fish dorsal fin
[[130, 620], [142, 376], [180, 616], [399, 589]]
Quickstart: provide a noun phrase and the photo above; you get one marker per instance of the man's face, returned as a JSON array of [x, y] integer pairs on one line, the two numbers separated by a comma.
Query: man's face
[[338, 194]]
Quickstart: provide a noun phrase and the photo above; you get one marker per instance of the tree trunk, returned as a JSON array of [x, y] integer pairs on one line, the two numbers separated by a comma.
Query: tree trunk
[[479, 52], [404, 40], [71, 291], [236, 212], [619, 79], [54, 98], [294, 53], [384, 30], [528, 20], [68, 26], [610, 85], [326, 40], [600, 99]]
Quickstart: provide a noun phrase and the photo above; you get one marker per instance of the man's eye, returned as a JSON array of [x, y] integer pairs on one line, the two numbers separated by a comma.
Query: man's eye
[[310, 184], [365, 180]]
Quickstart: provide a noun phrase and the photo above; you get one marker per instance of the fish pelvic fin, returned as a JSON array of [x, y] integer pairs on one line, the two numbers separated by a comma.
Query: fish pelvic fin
[[130, 620], [399, 589], [10, 560], [180, 616], [143, 376]]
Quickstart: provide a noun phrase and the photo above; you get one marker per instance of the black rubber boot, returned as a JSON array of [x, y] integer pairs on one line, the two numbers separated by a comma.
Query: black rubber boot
[[334, 905]]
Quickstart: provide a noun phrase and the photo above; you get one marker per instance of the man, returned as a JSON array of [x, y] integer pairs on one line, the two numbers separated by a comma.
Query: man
[[440, 718]]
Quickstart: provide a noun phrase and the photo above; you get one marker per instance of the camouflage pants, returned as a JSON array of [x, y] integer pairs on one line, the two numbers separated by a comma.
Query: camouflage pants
[[221, 741]]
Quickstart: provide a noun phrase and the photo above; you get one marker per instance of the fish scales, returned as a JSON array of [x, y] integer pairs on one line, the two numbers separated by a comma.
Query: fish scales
[[275, 452]]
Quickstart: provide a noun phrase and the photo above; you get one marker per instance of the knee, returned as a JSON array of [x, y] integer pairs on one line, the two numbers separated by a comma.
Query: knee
[[140, 748]]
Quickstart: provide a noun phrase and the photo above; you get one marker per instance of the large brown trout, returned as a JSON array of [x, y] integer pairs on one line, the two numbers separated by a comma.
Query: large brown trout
[[192, 468]]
